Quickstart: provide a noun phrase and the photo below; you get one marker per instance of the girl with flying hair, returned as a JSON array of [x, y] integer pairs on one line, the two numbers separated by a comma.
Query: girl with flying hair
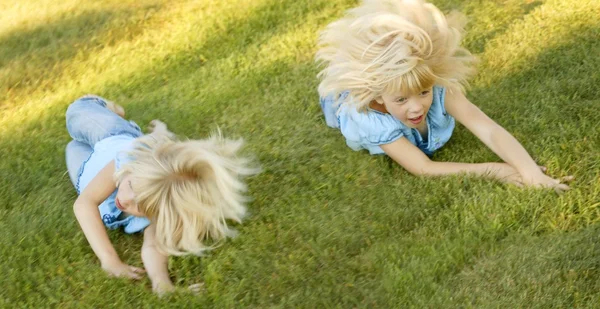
[[393, 83], [179, 193]]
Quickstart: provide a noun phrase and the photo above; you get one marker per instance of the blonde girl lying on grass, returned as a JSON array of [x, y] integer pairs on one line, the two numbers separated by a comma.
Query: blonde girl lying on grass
[[393, 80], [179, 193]]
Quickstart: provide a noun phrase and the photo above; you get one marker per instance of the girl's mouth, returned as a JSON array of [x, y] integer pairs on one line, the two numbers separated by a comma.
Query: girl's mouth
[[416, 120], [119, 204]]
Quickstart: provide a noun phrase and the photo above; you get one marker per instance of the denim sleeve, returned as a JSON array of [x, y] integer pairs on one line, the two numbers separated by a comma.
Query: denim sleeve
[[368, 130]]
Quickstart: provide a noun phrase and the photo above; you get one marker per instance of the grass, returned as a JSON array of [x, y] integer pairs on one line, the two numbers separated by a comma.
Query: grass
[[329, 227]]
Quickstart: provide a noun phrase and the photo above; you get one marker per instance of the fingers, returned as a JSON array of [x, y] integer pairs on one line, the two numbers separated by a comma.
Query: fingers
[[137, 270], [157, 125], [127, 273], [135, 273], [561, 188], [567, 179], [196, 288], [152, 126], [130, 272], [163, 288]]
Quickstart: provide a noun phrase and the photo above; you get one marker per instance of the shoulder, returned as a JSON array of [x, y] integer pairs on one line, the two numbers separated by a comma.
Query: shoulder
[[369, 126], [439, 98], [123, 146]]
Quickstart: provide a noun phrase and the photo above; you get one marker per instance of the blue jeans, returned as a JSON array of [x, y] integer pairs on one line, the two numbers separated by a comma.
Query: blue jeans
[[88, 122]]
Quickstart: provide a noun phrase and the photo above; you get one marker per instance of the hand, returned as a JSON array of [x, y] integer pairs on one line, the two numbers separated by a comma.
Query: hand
[[508, 174], [158, 127], [164, 288], [120, 269], [541, 180], [195, 288]]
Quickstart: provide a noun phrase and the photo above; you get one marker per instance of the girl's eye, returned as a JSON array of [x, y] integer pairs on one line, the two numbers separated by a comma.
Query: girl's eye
[[401, 100], [424, 93]]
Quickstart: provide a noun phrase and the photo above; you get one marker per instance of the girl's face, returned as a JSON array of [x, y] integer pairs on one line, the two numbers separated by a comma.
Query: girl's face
[[125, 199], [411, 110]]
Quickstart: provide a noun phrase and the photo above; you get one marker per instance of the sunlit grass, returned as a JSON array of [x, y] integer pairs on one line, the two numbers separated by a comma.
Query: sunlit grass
[[328, 226]]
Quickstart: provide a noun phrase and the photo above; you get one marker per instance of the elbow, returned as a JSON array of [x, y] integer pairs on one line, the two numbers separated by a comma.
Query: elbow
[[150, 252], [145, 252], [419, 172], [77, 207], [146, 247], [425, 168]]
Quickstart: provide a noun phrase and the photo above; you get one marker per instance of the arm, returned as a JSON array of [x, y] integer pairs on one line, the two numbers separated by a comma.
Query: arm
[[88, 216], [499, 141], [490, 133], [156, 263], [417, 163]]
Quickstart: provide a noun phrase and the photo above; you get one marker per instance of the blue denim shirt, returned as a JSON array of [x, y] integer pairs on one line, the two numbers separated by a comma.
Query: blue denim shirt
[[110, 148], [102, 136], [370, 129]]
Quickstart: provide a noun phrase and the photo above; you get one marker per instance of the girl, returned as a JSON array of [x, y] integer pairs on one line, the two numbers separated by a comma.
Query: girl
[[393, 84], [178, 193]]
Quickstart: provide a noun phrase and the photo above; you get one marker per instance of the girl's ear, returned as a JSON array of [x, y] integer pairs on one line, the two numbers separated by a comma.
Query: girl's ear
[[379, 100]]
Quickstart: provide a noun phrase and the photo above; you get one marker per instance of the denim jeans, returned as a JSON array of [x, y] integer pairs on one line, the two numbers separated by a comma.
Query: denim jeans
[[88, 122]]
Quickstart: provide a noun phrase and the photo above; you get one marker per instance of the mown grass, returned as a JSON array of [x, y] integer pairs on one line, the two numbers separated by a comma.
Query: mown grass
[[329, 227]]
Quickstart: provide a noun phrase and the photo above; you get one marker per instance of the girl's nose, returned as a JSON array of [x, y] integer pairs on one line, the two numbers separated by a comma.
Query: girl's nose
[[415, 108]]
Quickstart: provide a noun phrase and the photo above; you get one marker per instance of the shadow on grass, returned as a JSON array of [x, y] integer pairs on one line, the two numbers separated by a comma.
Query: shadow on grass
[[16, 144], [476, 43], [298, 183], [551, 109], [524, 271], [547, 104]]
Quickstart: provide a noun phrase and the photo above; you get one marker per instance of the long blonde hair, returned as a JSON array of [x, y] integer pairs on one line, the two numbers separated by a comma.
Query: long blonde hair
[[188, 189], [389, 46]]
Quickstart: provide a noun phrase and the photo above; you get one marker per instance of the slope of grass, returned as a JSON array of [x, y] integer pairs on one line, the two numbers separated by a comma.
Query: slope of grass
[[329, 227]]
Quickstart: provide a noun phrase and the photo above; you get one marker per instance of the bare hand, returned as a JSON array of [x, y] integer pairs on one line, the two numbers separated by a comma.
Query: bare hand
[[165, 288], [158, 127], [508, 174], [196, 288], [120, 269], [162, 288], [541, 180]]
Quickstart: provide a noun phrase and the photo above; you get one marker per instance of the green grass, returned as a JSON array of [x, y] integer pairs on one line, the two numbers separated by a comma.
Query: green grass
[[329, 227]]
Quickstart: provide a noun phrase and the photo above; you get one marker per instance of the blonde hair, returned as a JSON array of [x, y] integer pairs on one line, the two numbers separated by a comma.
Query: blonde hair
[[390, 46], [188, 189]]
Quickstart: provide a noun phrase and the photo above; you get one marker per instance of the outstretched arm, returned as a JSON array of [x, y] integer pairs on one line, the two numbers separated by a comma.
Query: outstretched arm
[[88, 216], [156, 263], [499, 141], [417, 163]]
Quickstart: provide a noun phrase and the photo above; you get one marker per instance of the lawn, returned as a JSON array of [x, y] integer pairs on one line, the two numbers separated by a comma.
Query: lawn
[[329, 227]]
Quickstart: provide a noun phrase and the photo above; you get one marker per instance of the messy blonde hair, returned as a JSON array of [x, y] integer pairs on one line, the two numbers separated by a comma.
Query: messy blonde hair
[[390, 46], [188, 189]]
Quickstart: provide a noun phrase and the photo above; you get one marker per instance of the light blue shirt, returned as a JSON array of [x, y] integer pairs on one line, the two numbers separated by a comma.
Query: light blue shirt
[[106, 150], [369, 129]]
